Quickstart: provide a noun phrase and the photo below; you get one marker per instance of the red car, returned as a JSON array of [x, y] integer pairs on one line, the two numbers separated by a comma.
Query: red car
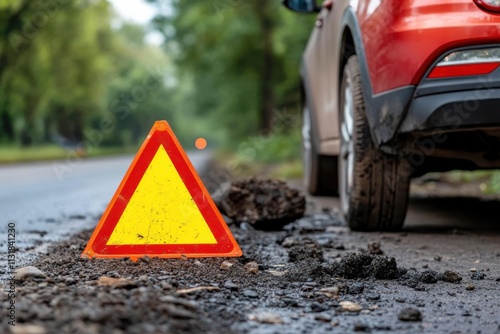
[[394, 89]]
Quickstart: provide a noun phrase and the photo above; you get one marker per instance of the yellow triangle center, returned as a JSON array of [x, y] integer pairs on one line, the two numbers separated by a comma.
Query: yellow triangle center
[[161, 210]]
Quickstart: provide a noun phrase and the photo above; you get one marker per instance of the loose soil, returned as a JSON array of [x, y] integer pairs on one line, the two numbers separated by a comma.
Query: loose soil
[[314, 276]]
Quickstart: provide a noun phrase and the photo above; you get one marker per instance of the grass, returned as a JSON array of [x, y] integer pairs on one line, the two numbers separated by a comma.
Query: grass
[[13, 154], [276, 156]]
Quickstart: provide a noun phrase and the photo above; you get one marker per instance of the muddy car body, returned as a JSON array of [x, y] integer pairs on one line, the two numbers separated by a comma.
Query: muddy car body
[[394, 89]]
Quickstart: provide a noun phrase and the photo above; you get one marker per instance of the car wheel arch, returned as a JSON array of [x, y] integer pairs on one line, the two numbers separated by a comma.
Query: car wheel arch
[[382, 129]]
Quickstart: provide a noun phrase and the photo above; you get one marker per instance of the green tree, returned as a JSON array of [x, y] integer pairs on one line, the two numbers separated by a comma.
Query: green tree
[[236, 60]]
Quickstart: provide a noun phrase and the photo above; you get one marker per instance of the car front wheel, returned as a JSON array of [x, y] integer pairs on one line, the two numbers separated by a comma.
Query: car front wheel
[[374, 186]]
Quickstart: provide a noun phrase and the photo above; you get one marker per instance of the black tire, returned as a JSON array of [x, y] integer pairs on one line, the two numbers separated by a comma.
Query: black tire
[[375, 196], [320, 171]]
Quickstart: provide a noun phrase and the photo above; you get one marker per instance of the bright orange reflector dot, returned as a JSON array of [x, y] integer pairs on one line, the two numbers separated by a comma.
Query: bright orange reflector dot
[[201, 143]]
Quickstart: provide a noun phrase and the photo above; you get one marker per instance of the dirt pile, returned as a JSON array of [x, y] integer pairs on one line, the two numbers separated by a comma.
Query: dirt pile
[[267, 204], [355, 265]]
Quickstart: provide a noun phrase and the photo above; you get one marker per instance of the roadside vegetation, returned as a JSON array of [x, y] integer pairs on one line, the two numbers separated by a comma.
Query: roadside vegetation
[[74, 75]]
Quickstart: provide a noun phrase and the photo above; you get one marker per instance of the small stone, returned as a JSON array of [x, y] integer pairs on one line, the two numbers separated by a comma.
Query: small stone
[[323, 317], [289, 242], [374, 248], [410, 314], [470, 287], [28, 272], [361, 327], [350, 306], [356, 288], [278, 273], [330, 292], [478, 276], [252, 267], [250, 293], [226, 265], [373, 296], [451, 277], [197, 263], [266, 318], [27, 329], [437, 258], [117, 283], [472, 270], [429, 277], [231, 286], [69, 281], [318, 307]]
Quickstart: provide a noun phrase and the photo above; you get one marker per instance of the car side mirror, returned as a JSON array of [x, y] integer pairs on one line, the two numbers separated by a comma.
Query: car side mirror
[[302, 6]]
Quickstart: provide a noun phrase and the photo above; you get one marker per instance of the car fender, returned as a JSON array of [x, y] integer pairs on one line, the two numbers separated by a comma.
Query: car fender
[[385, 111]]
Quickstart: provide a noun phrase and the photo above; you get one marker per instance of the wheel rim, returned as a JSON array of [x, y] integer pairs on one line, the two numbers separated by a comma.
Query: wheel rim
[[307, 146], [346, 148]]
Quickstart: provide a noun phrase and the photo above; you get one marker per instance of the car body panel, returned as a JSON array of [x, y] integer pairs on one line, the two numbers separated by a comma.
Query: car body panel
[[397, 43]]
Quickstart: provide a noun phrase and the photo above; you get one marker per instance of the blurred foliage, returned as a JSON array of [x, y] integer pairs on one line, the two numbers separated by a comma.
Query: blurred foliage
[[74, 75], [237, 61], [494, 184], [71, 74]]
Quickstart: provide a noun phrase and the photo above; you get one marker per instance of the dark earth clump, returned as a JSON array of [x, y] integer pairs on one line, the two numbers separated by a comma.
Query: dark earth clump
[[451, 277], [429, 277], [410, 314], [374, 248], [478, 276], [355, 265], [301, 286], [306, 251], [267, 204]]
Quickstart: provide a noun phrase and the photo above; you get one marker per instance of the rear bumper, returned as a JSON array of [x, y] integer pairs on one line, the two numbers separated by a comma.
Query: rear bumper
[[454, 103]]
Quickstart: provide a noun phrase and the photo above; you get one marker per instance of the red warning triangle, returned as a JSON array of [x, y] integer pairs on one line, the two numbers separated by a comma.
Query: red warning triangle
[[161, 209]]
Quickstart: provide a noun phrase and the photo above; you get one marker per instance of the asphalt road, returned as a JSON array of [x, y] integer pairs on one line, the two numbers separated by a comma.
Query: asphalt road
[[443, 234], [51, 200]]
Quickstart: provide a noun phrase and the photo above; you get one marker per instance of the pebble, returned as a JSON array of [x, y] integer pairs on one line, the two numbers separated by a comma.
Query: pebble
[[323, 317], [226, 265], [266, 318], [27, 329], [373, 296], [28, 272], [451, 277], [429, 277], [374, 248], [350, 306], [410, 314], [361, 327], [231, 286], [470, 287], [318, 307], [250, 293], [278, 273], [356, 288], [330, 292], [252, 267], [118, 283], [478, 276]]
